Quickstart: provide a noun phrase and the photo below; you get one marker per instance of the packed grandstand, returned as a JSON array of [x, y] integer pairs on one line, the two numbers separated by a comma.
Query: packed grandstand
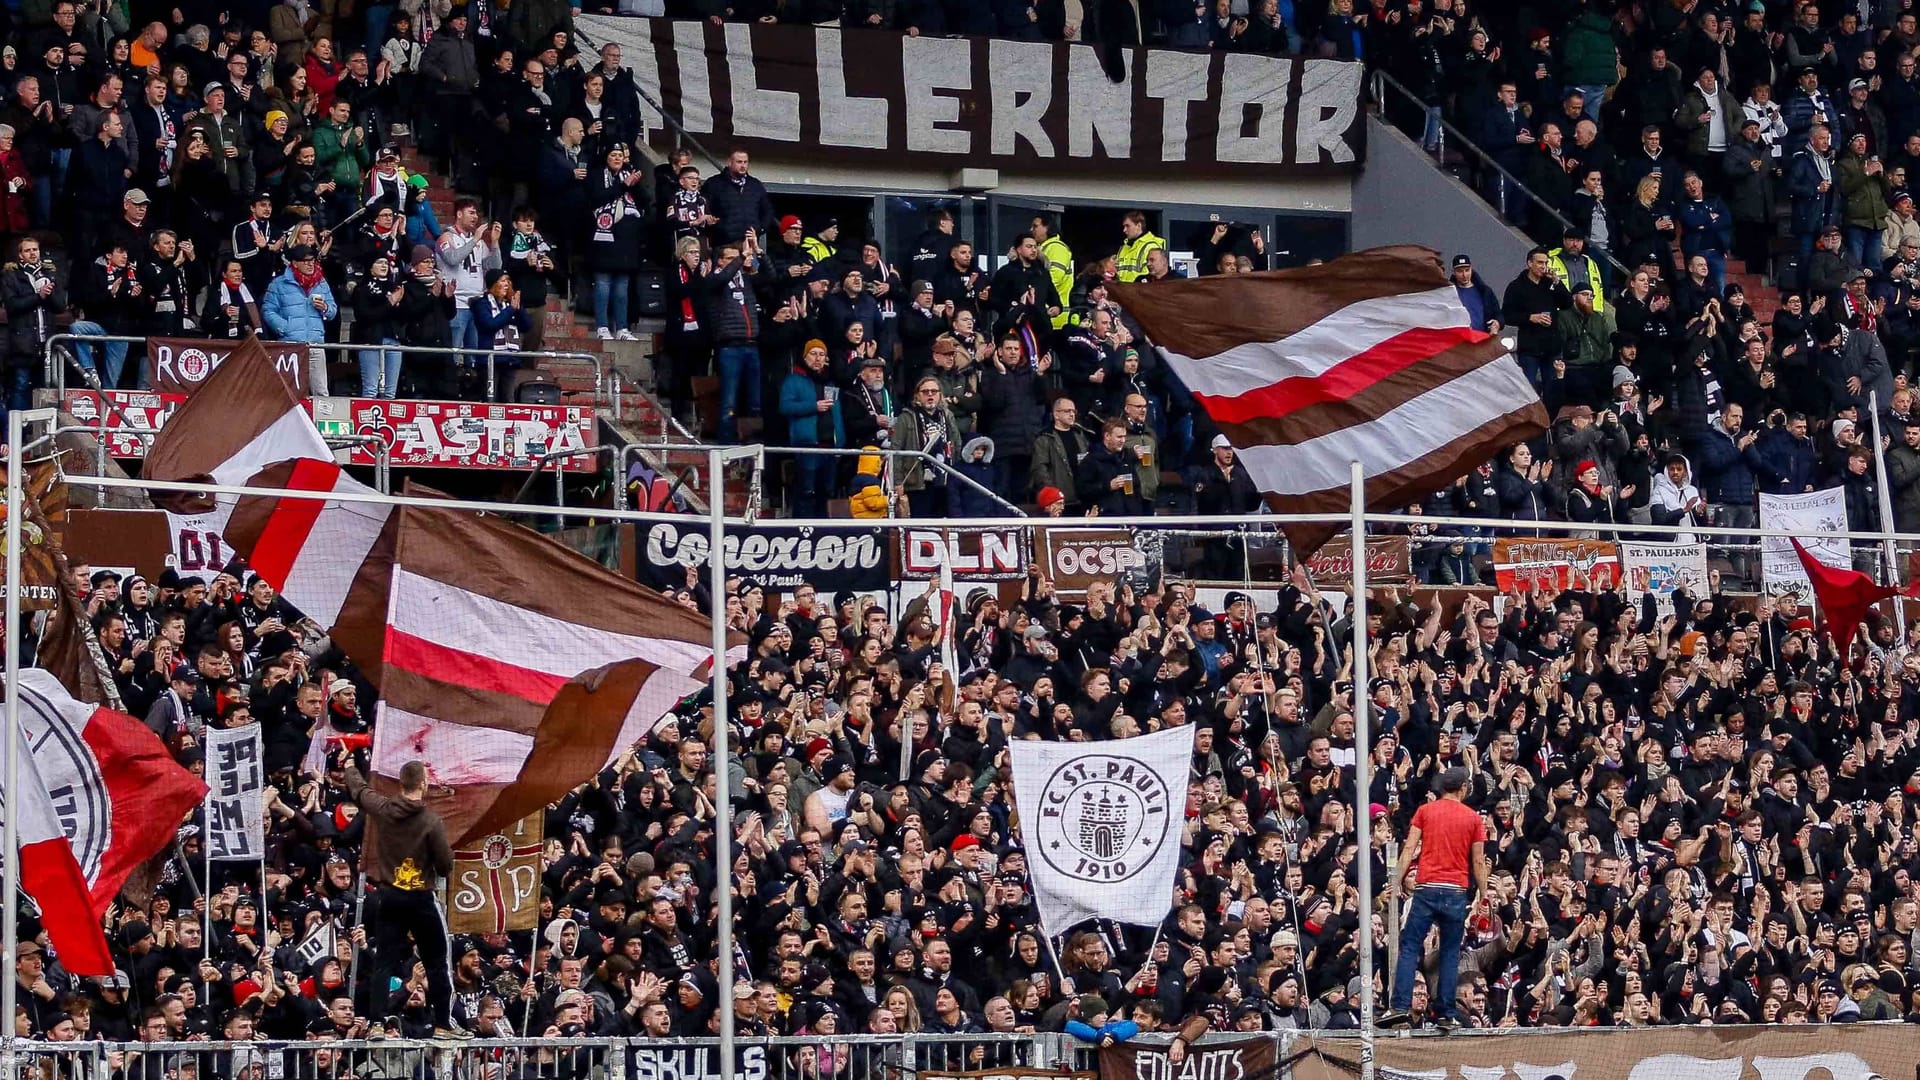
[[1691, 788]]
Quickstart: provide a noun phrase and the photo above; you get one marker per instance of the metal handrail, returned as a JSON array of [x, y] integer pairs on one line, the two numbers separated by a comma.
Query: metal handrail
[[1384, 80], [833, 451], [56, 373], [382, 456]]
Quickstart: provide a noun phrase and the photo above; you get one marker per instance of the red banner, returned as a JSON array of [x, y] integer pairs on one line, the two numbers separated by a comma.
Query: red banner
[[462, 434], [141, 413], [1524, 564]]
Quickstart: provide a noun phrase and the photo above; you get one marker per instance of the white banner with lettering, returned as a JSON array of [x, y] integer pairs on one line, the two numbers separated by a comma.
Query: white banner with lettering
[[1661, 568], [1101, 824], [1785, 516], [236, 795]]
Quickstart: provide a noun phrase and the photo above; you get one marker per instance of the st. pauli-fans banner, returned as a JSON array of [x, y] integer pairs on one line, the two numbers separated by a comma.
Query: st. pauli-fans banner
[[1027, 105], [1735, 1052]]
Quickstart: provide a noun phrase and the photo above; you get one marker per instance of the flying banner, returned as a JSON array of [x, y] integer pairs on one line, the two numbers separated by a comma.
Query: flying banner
[[1102, 823]]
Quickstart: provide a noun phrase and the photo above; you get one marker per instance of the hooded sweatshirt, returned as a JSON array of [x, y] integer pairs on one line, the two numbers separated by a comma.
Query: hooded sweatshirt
[[1670, 501], [413, 848]]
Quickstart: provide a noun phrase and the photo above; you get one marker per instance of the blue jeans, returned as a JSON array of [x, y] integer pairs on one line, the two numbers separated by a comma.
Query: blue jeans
[[739, 368], [1430, 133], [1864, 246], [1430, 906], [379, 17], [610, 300], [462, 333], [377, 365], [116, 355], [1593, 97]]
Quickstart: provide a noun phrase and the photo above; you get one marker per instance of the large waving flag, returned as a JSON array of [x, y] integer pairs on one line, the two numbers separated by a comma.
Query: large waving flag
[[242, 419], [1844, 594], [115, 796], [1370, 358]]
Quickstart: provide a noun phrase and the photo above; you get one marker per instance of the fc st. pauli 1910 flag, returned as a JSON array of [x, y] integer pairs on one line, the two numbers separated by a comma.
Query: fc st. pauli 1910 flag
[[1101, 823]]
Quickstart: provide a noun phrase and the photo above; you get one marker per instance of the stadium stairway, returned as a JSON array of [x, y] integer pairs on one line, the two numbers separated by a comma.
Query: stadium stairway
[[641, 418]]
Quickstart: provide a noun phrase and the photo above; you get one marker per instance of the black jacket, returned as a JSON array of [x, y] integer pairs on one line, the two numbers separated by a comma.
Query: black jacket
[[729, 310], [739, 204]]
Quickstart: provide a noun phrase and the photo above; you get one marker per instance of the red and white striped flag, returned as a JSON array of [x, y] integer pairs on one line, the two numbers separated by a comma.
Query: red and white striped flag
[[99, 796], [515, 668], [1370, 358], [242, 419]]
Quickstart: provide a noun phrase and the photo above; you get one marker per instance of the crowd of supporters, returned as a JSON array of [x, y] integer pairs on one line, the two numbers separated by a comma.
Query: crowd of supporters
[[1697, 812]]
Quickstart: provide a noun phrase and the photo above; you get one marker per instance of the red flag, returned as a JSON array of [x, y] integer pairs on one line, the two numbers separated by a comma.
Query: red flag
[[1845, 595], [120, 796]]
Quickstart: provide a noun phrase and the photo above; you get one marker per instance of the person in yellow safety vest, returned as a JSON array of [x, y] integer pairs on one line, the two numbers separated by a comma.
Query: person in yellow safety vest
[[1132, 260], [1059, 260], [1572, 256], [820, 246]]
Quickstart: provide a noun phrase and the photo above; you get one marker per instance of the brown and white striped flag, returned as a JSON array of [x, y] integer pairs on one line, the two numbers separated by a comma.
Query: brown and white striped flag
[[1370, 358], [516, 668]]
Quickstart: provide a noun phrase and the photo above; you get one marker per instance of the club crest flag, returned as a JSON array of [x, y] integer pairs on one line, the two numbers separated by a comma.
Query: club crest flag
[[1101, 825]]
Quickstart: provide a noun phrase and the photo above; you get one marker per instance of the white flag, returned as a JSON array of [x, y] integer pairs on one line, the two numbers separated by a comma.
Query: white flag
[[318, 945], [236, 795], [1785, 516], [1102, 823]]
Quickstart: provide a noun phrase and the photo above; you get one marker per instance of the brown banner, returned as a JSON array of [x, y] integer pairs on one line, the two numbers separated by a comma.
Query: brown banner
[[1076, 558], [1848, 1052], [495, 885], [942, 101], [180, 365], [1251, 1059], [1525, 564], [37, 544], [125, 540], [1389, 562]]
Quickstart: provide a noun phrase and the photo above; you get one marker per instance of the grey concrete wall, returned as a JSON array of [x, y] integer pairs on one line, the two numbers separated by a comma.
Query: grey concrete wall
[[1402, 198]]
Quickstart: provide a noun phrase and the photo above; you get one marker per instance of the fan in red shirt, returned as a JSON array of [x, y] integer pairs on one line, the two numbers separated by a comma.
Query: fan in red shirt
[[1448, 840]]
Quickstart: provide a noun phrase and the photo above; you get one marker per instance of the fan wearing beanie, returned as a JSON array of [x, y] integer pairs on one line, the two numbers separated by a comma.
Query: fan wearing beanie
[[1588, 500]]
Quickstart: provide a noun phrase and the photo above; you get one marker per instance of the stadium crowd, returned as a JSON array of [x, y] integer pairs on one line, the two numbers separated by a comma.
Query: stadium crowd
[[1694, 815]]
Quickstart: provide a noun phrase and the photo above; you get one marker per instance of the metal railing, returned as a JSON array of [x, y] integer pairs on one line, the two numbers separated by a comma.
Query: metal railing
[[1383, 82], [825, 451], [379, 1056], [65, 346]]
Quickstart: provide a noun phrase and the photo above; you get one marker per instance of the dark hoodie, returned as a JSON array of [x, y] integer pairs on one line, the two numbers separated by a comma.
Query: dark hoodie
[[413, 847]]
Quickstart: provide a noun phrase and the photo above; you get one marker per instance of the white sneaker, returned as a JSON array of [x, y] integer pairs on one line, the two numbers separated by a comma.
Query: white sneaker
[[627, 335], [603, 333], [399, 131]]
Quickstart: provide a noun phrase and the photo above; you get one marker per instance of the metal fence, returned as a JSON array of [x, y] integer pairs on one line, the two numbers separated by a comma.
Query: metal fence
[[792, 1057]]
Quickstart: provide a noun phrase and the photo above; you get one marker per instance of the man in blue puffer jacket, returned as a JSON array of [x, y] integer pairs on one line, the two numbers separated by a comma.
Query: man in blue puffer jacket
[[297, 308]]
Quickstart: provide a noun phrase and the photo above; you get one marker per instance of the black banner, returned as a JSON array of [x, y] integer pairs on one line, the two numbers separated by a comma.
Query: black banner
[[1032, 106], [778, 557]]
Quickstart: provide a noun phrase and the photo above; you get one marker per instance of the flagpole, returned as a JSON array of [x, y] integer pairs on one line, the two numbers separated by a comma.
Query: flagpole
[[1362, 783], [1886, 512], [717, 459], [10, 920]]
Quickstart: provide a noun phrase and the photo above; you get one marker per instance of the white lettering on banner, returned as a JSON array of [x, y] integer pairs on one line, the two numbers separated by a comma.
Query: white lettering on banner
[[928, 66], [1329, 103], [1098, 107], [1834, 1066], [697, 1063], [1177, 79], [696, 87], [757, 113], [1102, 559], [1021, 94], [999, 552], [859, 122], [1199, 1065], [667, 546], [470, 893], [460, 435], [1251, 83]]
